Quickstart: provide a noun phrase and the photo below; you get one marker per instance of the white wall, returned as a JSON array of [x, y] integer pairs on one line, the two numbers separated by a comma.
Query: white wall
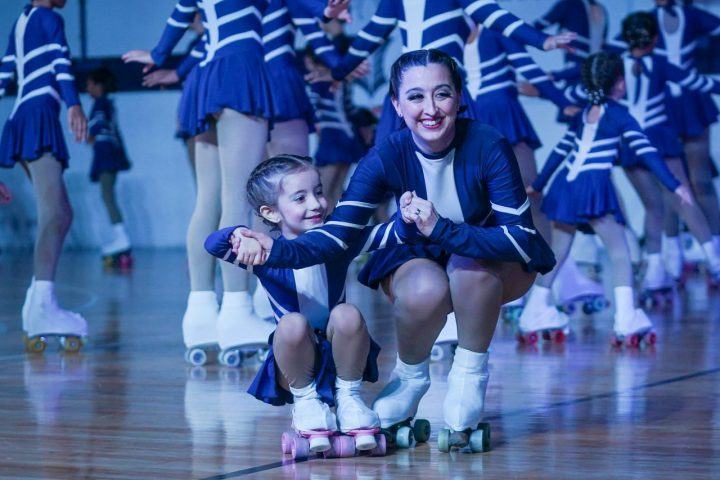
[[157, 194]]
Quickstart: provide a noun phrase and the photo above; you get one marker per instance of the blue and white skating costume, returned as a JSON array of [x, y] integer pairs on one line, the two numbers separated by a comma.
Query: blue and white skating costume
[[492, 62], [575, 16], [108, 149], [690, 112], [289, 97], [313, 291], [583, 189], [188, 72], [475, 186], [232, 73], [338, 142], [37, 57], [426, 24]]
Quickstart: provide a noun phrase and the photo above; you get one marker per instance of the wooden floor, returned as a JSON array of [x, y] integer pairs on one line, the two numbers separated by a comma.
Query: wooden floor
[[129, 407]]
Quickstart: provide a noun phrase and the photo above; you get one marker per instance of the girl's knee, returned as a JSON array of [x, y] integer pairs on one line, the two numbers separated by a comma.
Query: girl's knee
[[346, 319], [292, 328]]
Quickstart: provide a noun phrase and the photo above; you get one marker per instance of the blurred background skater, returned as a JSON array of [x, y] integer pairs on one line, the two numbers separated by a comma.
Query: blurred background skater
[[109, 158], [33, 136]]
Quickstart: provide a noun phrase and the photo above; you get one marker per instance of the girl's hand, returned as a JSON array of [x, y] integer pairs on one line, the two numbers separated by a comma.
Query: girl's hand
[[571, 110], [5, 195], [338, 9], [265, 242], [77, 122], [161, 77], [319, 74], [528, 89], [686, 197], [139, 56], [561, 40], [248, 250]]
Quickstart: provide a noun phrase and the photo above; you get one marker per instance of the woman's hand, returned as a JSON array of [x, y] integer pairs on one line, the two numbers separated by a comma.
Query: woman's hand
[[338, 9], [561, 40], [528, 89], [571, 110], [423, 213], [77, 122], [685, 195], [531, 192], [139, 56], [161, 77]]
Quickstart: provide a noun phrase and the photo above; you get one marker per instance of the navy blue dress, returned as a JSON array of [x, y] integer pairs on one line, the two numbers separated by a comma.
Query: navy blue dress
[[108, 149]]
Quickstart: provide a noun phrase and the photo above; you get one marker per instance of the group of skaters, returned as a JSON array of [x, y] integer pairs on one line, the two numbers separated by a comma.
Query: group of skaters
[[453, 146]]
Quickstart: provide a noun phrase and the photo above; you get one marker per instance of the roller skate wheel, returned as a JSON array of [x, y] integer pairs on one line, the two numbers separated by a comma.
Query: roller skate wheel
[[196, 356], [365, 442], [231, 358], [70, 343], [320, 443], [286, 441], [344, 446], [300, 448], [125, 261], [568, 308], [421, 430], [404, 437], [650, 338], [381, 449], [444, 440], [530, 338], [108, 262], [633, 341], [558, 336], [36, 344], [437, 353]]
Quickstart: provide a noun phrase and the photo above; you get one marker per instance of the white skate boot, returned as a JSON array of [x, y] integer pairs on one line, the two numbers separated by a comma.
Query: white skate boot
[[464, 403], [261, 304], [571, 286], [44, 318], [117, 252], [657, 285], [712, 257], [313, 424], [511, 311], [241, 333], [354, 417], [447, 340], [26, 304], [540, 315], [397, 404], [200, 327], [632, 326]]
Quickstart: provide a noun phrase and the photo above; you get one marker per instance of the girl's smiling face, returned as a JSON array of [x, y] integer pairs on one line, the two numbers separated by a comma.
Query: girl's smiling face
[[300, 204]]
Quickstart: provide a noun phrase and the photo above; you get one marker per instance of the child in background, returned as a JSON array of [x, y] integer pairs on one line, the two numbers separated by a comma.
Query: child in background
[[109, 158], [321, 350]]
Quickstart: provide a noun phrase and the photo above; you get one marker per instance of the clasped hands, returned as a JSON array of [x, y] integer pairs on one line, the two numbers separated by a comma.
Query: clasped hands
[[253, 248]]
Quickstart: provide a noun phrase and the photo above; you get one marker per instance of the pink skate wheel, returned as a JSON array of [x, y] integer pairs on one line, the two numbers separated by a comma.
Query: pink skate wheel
[[559, 336], [300, 448], [286, 441], [345, 446], [633, 341], [125, 261], [381, 448], [528, 338], [650, 338]]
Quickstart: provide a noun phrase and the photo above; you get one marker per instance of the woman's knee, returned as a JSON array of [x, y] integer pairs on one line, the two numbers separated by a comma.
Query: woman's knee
[[346, 320], [292, 329], [422, 294]]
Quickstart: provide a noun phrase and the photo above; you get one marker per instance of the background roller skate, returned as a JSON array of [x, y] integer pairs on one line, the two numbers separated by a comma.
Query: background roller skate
[[446, 342], [572, 287], [117, 254], [242, 335], [478, 440], [542, 321], [43, 321], [511, 311], [657, 286], [200, 328], [633, 331]]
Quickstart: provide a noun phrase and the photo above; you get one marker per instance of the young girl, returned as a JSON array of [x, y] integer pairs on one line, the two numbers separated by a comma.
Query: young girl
[[109, 158], [321, 350], [582, 196], [38, 55]]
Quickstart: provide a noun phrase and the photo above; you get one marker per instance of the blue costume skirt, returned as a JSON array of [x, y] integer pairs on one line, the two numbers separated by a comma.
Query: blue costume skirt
[[34, 130], [692, 112], [336, 147], [590, 196], [503, 111], [266, 386], [107, 157], [238, 81], [384, 262], [390, 121], [289, 97], [188, 106]]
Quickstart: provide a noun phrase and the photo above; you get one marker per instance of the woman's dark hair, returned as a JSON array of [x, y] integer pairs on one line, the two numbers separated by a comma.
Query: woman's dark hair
[[265, 180], [599, 73], [639, 29], [105, 77], [422, 58]]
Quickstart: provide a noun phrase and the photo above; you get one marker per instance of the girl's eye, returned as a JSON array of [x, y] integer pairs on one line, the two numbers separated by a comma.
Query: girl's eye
[[300, 199]]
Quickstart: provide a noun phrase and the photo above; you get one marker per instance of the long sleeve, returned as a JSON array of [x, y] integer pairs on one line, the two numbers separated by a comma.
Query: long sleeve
[[308, 23], [557, 156], [635, 138], [194, 56], [8, 65], [180, 19], [100, 116], [60, 60], [524, 65], [491, 15], [691, 79], [509, 234], [369, 39], [364, 194], [218, 245]]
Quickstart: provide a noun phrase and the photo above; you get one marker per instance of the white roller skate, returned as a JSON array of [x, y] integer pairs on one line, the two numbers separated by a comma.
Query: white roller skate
[[241, 333], [657, 285], [511, 311], [43, 318], [633, 329], [117, 253], [447, 340], [359, 424], [712, 257], [673, 259], [572, 286], [313, 424], [261, 304], [541, 316], [397, 404], [26, 305], [464, 403], [200, 327]]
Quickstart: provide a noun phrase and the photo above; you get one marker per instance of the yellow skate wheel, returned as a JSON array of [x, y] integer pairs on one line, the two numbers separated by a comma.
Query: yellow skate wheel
[[35, 344], [70, 343]]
